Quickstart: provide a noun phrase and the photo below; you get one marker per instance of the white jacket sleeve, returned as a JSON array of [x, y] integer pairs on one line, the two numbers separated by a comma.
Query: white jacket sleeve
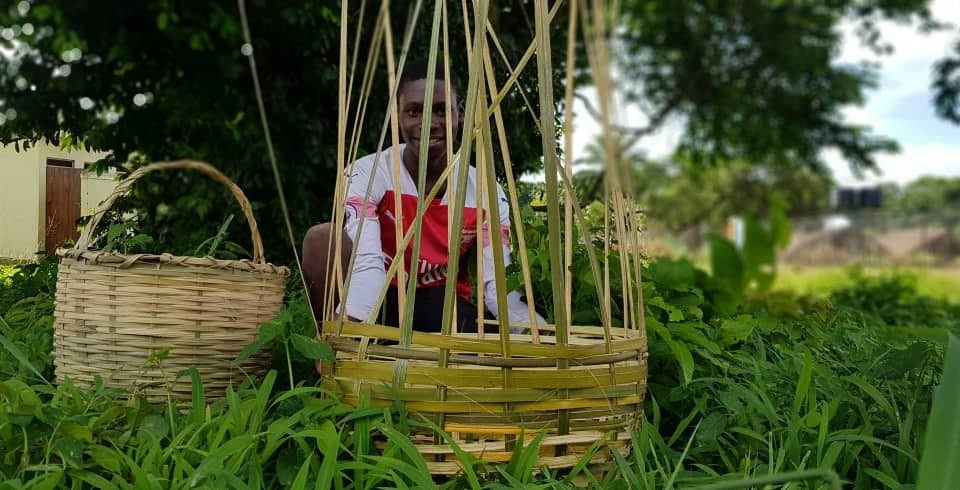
[[517, 310], [368, 273]]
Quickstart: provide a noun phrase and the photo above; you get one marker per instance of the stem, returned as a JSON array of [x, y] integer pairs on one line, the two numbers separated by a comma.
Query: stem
[[286, 348]]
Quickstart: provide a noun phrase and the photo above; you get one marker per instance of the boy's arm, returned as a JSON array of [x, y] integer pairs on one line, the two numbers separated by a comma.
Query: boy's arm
[[368, 273], [517, 310]]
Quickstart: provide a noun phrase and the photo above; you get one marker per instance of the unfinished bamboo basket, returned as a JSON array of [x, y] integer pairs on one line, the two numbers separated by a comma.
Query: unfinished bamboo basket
[[578, 390], [485, 400], [114, 311]]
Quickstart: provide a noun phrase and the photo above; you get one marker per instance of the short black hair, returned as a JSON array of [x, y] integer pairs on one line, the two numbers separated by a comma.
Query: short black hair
[[417, 70]]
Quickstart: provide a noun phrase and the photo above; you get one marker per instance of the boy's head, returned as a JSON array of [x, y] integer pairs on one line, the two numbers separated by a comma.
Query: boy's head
[[410, 102]]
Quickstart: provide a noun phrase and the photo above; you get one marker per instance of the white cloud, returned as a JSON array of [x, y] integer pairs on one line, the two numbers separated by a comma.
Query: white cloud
[[901, 106], [914, 161]]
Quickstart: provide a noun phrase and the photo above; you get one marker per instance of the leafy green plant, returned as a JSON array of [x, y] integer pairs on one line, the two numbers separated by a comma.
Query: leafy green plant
[[292, 330], [122, 238], [782, 390], [218, 246]]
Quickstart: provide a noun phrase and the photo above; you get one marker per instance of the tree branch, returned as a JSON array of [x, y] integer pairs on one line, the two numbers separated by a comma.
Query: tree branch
[[635, 133]]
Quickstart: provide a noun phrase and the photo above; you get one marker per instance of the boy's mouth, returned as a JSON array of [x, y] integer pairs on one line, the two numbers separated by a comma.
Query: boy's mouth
[[434, 141]]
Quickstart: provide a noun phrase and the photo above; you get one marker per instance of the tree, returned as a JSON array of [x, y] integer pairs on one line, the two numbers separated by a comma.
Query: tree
[[755, 80], [927, 195], [167, 79], [679, 193], [946, 86]]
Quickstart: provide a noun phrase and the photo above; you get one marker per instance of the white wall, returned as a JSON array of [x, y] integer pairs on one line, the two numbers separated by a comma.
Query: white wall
[[20, 202], [23, 191]]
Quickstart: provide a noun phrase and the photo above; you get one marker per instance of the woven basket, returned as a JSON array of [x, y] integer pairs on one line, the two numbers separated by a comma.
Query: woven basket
[[485, 399], [113, 311]]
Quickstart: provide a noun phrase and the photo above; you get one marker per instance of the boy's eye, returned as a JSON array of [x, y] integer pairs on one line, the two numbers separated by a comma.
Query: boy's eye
[[413, 112]]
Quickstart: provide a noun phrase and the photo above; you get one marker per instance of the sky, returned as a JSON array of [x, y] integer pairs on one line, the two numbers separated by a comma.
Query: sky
[[899, 107]]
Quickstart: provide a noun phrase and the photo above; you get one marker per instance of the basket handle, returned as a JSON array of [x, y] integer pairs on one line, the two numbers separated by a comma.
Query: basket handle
[[123, 189]]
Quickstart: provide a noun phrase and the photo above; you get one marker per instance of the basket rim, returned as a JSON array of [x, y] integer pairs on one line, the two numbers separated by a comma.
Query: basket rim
[[124, 261]]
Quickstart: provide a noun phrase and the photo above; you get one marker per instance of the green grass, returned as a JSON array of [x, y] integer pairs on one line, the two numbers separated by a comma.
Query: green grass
[[942, 283], [816, 391]]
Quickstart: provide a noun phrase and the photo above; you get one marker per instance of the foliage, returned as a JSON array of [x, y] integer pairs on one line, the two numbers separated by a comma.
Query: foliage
[[942, 446], [28, 280], [946, 86], [748, 381], [292, 330], [822, 281], [138, 80], [155, 81], [678, 194], [893, 300], [926, 201], [782, 384], [756, 81]]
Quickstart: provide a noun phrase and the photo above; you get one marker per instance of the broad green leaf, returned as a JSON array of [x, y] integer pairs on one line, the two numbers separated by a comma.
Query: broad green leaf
[[329, 445], [672, 274], [737, 329], [268, 332], [105, 457], [95, 480], [780, 227], [693, 332], [80, 432], [726, 263], [683, 356], [311, 348], [674, 313], [941, 450], [198, 400]]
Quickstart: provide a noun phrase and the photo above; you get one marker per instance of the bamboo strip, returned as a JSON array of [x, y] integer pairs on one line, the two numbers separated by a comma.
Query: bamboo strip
[[346, 345], [481, 378], [490, 346]]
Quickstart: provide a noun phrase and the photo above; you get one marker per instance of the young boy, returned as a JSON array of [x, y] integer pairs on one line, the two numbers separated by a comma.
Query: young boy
[[376, 243]]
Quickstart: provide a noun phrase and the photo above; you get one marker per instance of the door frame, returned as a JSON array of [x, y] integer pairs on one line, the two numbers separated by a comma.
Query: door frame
[[42, 197]]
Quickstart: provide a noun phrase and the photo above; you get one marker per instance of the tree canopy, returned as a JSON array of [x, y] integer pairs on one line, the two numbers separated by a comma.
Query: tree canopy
[[754, 82], [757, 80]]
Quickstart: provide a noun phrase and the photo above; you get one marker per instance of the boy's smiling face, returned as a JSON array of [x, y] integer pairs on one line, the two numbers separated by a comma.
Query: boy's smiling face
[[411, 102]]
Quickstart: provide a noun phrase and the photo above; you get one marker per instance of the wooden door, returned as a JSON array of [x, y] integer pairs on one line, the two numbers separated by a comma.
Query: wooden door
[[63, 206]]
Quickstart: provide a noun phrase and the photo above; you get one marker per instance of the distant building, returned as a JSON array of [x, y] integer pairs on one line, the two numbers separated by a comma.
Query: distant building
[[851, 198], [43, 192]]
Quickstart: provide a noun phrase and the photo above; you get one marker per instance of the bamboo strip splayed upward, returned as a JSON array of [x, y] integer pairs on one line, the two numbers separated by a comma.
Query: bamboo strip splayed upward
[[515, 371]]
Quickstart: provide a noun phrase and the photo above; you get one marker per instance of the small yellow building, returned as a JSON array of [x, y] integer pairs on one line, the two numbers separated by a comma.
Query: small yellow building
[[44, 190]]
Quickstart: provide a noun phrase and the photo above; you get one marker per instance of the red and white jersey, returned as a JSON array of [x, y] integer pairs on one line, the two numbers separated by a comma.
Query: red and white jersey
[[372, 195]]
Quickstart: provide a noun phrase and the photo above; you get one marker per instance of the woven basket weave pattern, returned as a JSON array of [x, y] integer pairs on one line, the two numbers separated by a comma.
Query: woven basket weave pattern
[[113, 311], [488, 399]]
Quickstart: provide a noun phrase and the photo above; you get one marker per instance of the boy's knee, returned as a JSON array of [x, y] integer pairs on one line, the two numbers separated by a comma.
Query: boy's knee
[[317, 235], [318, 241]]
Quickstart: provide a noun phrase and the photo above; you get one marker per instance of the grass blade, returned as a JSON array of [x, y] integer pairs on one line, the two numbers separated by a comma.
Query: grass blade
[[198, 403], [467, 461], [17, 353]]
